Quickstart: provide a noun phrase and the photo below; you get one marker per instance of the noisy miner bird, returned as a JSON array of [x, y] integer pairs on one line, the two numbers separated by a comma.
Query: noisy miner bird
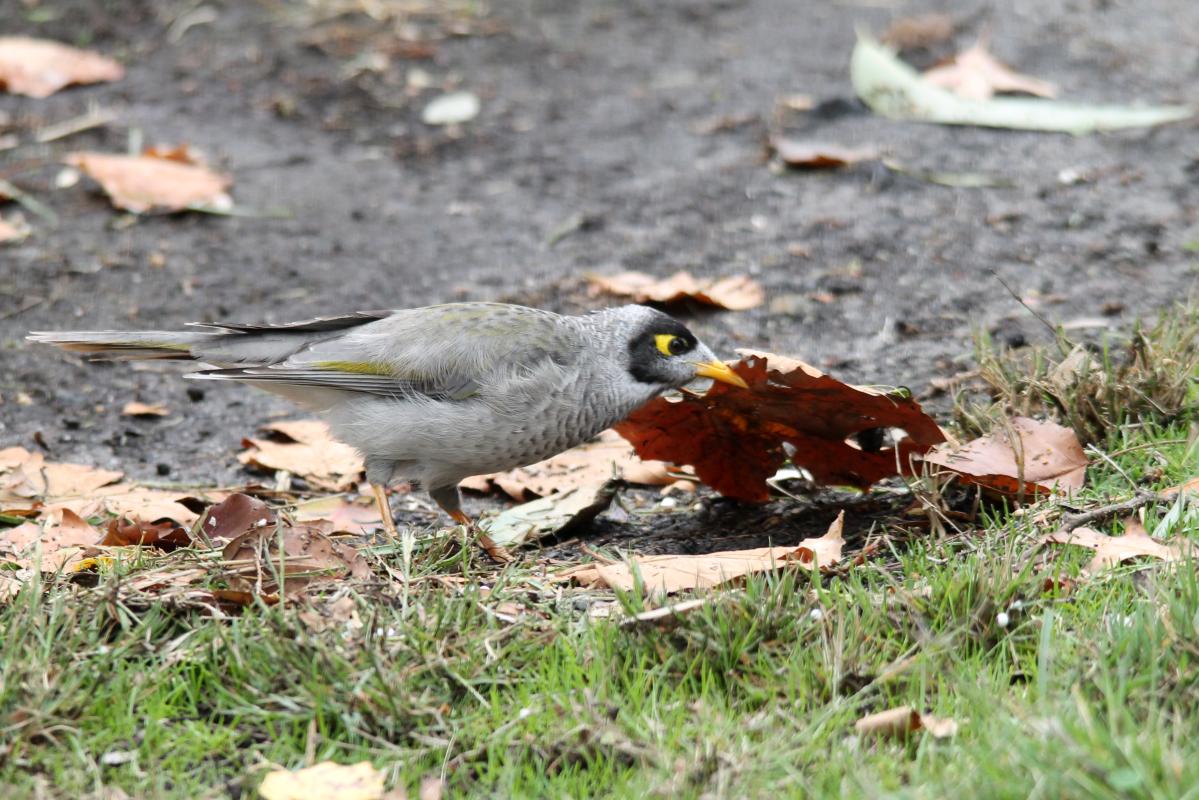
[[440, 393]]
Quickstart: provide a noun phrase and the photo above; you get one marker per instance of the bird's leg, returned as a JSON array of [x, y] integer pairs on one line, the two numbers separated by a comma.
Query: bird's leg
[[389, 525], [447, 497]]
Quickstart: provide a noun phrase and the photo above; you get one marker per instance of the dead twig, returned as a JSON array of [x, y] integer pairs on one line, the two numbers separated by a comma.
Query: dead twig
[[1142, 499]]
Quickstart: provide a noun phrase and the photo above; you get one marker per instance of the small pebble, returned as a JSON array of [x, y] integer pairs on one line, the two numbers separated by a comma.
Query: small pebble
[[816, 615], [1002, 619], [668, 502]]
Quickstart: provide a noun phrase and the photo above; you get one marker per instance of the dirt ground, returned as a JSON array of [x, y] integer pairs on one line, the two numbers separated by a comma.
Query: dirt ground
[[613, 135]]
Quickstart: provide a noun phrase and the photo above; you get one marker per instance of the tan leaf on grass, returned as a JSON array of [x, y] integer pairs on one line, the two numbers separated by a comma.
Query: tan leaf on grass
[[902, 721], [335, 513], [136, 409], [39, 67], [819, 155], [736, 293], [673, 573], [306, 450], [62, 538], [254, 563], [1113, 550], [153, 182], [590, 464], [735, 437], [1048, 458], [1190, 488], [324, 781], [977, 75]]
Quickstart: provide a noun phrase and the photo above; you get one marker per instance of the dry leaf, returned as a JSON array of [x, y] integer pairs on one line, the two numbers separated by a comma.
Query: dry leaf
[[149, 505], [13, 229], [1052, 459], [1190, 488], [235, 515], [342, 614], [737, 293], [899, 722], [546, 516], [977, 75], [32, 477], [588, 464], [734, 437], [62, 538], [432, 787], [39, 68], [165, 535], [324, 781], [672, 573], [149, 182], [136, 409], [1113, 550], [337, 514], [253, 560], [307, 450], [819, 155], [925, 30]]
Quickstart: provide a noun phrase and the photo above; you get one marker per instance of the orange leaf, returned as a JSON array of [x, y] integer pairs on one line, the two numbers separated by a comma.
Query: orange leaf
[[39, 68], [1049, 458], [734, 437], [904, 720], [146, 182]]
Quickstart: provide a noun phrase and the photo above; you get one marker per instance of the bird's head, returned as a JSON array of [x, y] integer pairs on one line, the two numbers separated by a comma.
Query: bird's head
[[661, 351]]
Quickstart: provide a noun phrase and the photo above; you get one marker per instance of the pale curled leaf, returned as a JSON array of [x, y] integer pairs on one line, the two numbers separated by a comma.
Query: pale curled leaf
[[902, 721], [893, 89], [324, 781], [550, 515], [139, 409], [977, 75], [590, 464], [819, 155], [735, 293], [307, 450], [1113, 550], [39, 67], [672, 573], [149, 182], [1042, 457]]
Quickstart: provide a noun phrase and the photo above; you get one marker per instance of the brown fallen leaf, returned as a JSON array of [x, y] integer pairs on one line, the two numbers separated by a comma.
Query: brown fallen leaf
[[924, 30], [1113, 550], [902, 721], [1050, 459], [341, 613], [734, 437], [305, 448], [39, 67], [136, 409], [30, 476], [977, 75], [736, 293], [324, 781], [819, 155], [589, 464], [60, 538], [150, 182], [673, 573], [253, 561], [164, 535], [236, 514], [1190, 488]]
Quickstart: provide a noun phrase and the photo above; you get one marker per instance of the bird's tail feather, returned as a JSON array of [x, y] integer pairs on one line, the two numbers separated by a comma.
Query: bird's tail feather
[[126, 345]]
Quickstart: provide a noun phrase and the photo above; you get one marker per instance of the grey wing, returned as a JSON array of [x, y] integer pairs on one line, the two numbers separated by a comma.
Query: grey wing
[[447, 352]]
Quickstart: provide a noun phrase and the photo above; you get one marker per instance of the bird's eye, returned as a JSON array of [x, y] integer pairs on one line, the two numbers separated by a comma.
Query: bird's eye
[[671, 345]]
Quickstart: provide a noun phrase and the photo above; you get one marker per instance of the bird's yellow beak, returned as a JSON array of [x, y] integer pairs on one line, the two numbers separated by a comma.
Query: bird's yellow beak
[[719, 371]]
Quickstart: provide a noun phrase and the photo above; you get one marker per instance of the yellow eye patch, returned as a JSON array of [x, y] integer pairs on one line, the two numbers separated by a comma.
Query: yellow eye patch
[[669, 344]]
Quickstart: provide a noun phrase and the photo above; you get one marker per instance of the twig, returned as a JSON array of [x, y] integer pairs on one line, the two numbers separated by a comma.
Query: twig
[[1142, 499], [94, 118], [1052, 328]]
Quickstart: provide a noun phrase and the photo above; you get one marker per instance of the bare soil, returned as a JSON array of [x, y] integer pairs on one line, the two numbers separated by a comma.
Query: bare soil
[[613, 135]]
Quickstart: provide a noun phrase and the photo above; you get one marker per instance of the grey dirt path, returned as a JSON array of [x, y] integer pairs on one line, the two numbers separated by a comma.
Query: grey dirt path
[[603, 110]]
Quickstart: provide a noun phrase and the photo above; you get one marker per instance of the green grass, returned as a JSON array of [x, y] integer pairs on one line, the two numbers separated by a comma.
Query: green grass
[[1092, 693]]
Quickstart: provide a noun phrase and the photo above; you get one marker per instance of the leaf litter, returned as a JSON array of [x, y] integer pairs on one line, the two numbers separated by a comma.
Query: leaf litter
[[735, 293], [40, 67], [1024, 456], [160, 179], [1111, 551], [902, 722], [975, 74], [324, 781]]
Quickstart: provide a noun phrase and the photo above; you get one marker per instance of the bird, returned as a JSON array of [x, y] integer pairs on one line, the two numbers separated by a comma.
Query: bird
[[436, 394]]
